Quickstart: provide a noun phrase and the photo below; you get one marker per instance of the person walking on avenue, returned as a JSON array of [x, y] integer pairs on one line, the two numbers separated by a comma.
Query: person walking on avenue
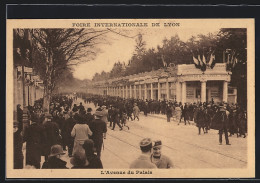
[[34, 137], [136, 111], [80, 132], [221, 122], [160, 160], [144, 161], [94, 161], [168, 113], [110, 111], [68, 126], [145, 108], [186, 114], [99, 128], [178, 113], [51, 135], [115, 118], [18, 145], [54, 161], [81, 108], [200, 119], [89, 117], [20, 117]]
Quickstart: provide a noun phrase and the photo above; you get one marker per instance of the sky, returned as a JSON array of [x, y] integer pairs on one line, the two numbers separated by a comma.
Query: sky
[[121, 48]]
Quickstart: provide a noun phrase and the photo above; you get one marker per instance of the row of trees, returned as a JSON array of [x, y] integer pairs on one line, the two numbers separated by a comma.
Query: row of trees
[[53, 52]]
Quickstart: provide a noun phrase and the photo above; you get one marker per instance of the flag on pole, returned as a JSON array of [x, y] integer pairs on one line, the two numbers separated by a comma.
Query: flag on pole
[[212, 60], [204, 59], [201, 63], [164, 63], [195, 60], [235, 62]]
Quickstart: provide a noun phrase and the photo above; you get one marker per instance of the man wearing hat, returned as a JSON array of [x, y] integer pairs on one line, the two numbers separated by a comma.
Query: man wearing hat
[[115, 118], [54, 161], [99, 129], [105, 113], [52, 136], [34, 138], [88, 116], [18, 144], [143, 161], [160, 160], [221, 119]]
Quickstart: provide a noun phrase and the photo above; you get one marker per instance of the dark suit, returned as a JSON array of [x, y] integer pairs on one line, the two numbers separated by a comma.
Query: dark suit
[[98, 127], [33, 137]]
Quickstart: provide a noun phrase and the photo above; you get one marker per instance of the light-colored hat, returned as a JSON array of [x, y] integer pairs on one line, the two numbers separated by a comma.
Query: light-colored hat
[[145, 142], [98, 113]]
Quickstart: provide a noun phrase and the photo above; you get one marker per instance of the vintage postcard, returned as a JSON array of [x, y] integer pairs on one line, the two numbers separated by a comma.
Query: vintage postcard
[[130, 98]]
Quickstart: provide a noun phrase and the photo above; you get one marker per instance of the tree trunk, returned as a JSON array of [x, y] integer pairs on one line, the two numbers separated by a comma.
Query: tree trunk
[[48, 85]]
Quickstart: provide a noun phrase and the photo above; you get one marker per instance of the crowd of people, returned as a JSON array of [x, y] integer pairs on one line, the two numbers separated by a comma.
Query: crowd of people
[[65, 128], [76, 130]]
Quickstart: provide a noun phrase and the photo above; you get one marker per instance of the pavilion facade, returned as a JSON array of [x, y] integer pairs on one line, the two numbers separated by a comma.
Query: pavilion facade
[[182, 83]]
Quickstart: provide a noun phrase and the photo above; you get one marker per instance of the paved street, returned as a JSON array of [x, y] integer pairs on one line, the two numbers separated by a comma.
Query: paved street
[[181, 143]]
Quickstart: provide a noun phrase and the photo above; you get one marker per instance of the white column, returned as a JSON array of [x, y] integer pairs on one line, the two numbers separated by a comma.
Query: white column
[[159, 90], [140, 91], [225, 91], [178, 91], [126, 91], [135, 92], [130, 91], [152, 91], [183, 93], [203, 91], [167, 90], [145, 91]]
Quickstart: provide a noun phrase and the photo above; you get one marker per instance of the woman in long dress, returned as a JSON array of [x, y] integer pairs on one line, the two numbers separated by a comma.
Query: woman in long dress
[[80, 132]]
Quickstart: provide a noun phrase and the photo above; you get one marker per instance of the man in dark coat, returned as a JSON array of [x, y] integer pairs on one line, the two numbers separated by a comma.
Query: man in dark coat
[[34, 137], [115, 117], [110, 111], [51, 131], [18, 144], [68, 126], [99, 128], [81, 108], [89, 117], [200, 119], [221, 118], [168, 113], [20, 117]]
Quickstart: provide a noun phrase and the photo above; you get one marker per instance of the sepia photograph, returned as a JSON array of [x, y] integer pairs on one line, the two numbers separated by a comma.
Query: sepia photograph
[[130, 98]]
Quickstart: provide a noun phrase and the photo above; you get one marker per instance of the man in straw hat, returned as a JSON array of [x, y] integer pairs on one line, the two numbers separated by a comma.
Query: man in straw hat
[[143, 161], [54, 161]]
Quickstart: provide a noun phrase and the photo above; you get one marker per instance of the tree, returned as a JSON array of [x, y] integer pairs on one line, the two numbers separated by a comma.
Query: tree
[[234, 40], [60, 49]]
